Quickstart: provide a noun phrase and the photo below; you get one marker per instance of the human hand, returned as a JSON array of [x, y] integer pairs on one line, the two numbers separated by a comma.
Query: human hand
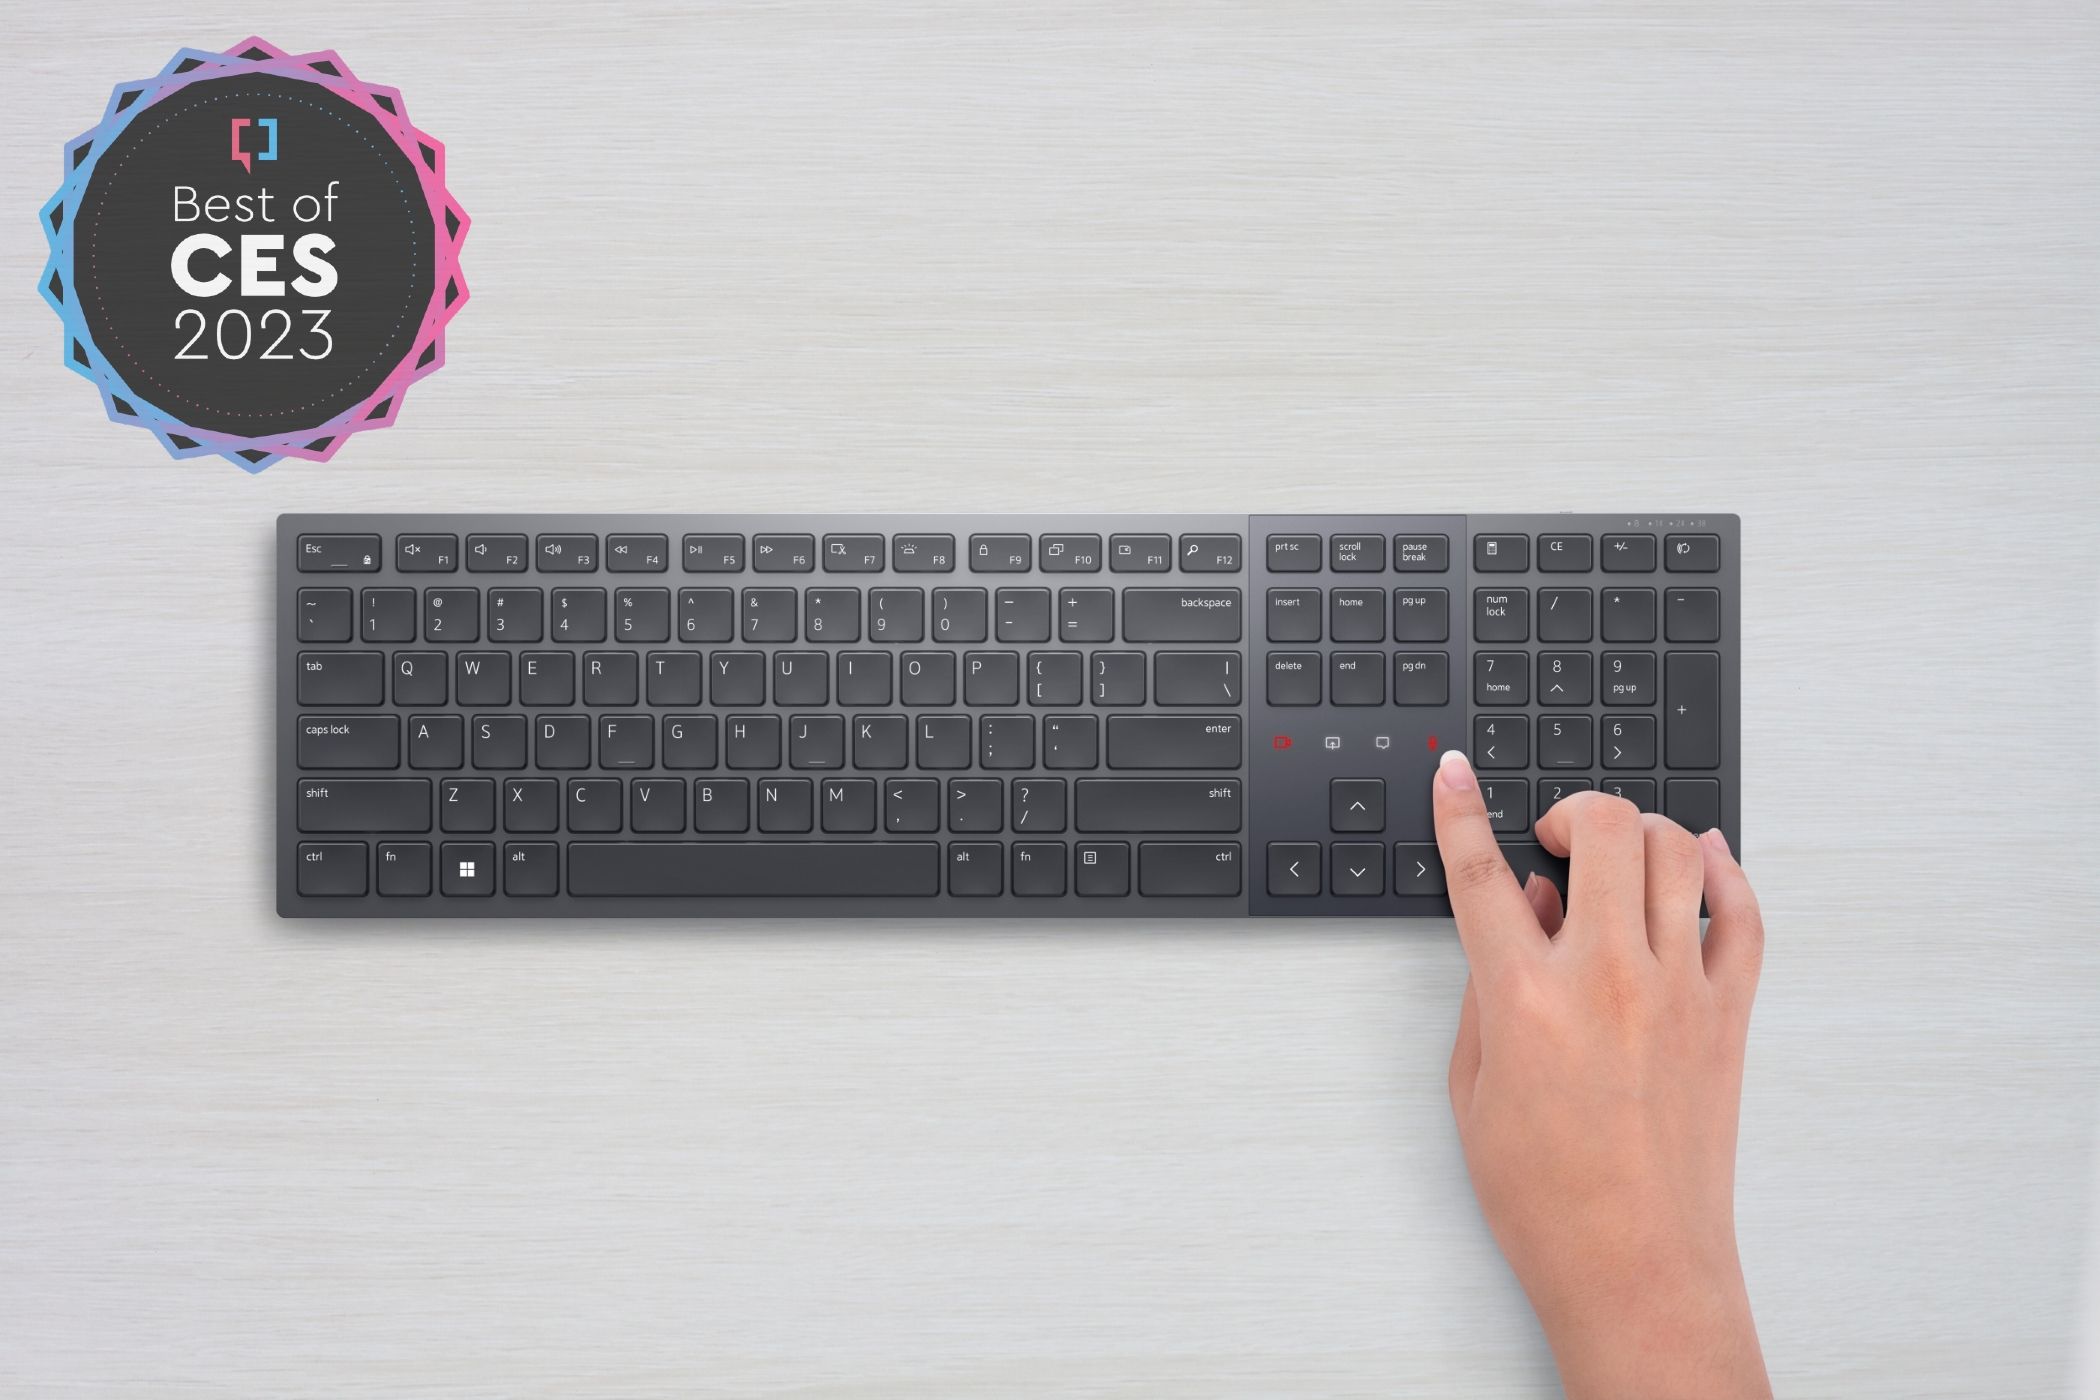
[[1596, 1082]]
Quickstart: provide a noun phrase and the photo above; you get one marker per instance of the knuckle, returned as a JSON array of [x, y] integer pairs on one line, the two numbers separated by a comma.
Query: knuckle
[[1609, 814], [1671, 848], [1477, 870]]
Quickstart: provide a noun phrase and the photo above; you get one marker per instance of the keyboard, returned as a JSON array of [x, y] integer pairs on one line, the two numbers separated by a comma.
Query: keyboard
[[915, 715]]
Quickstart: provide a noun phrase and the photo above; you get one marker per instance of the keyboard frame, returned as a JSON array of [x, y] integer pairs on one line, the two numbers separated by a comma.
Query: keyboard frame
[[1284, 791]]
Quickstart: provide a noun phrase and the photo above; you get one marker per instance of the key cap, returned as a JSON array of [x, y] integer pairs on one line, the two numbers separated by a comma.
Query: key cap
[[736, 678], [363, 804], [1564, 615], [611, 678], [419, 677], [426, 554], [880, 741], [594, 804], [467, 869], [1629, 615], [1564, 678], [721, 805], [467, 804], [1421, 615], [961, 615], [865, 677], [1101, 869], [1564, 741], [1001, 554], [1421, 554], [1501, 741], [783, 554], [1294, 554], [911, 804], [896, 614], [451, 614], [706, 615], [1039, 869], [1056, 678], [817, 741], [496, 554], [331, 869], [1173, 741], [1356, 678], [341, 678], [1157, 804], [1184, 869], [976, 806], [1421, 678], [1500, 614], [531, 869], [531, 804], [673, 677], [1006, 741], [1508, 804], [1628, 742], [1069, 554], [1629, 678], [566, 554], [1692, 709], [1294, 869], [547, 678], [1197, 678], [750, 741], [637, 553], [436, 741], [992, 678], [974, 869], [846, 804], [562, 741], [1356, 615], [1692, 554], [1566, 554], [1118, 677], [515, 614], [1356, 554], [944, 741], [389, 614], [853, 554], [1501, 678], [1639, 791], [1038, 804], [324, 614], [1356, 804], [1693, 803], [1294, 615], [831, 614], [1072, 741], [1357, 868], [923, 554], [644, 615], [338, 554], [1417, 869], [1629, 554], [626, 741], [1209, 554], [1086, 614], [769, 614], [929, 678], [578, 615], [691, 741], [1022, 615], [713, 554], [1140, 554], [349, 741], [1552, 790], [1692, 615], [1501, 554], [403, 867], [786, 804], [1294, 677]]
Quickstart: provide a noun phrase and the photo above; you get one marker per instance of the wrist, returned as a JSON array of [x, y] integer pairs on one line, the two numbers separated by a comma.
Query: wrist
[[1666, 1326]]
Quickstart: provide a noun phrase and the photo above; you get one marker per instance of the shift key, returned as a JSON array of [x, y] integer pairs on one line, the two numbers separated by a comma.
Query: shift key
[[1181, 614], [1157, 804], [364, 804]]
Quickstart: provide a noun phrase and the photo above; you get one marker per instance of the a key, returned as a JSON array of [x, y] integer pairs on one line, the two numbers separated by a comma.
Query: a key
[[961, 615], [562, 741], [1073, 741], [341, 677], [594, 804], [1209, 554], [881, 742], [769, 614], [1421, 678], [643, 615], [944, 741], [1564, 615], [1566, 554], [426, 554], [1356, 554], [1170, 741], [331, 869], [672, 678], [1294, 615], [403, 869], [976, 805], [1693, 803], [1564, 741], [1188, 869], [1501, 678], [516, 614], [577, 615], [1629, 554], [1639, 791], [846, 805], [324, 614], [467, 869], [611, 678], [1629, 615], [1628, 741], [436, 741], [349, 741], [497, 554], [1418, 869], [1056, 678], [626, 741], [1421, 554], [1140, 554], [1294, 554], [1552, 790], [1692, 554], [389, 614], [1117, 677], [831, 615], [363, 804], [1421, 615], [1198, 678], [896, 614], [690, 741], [419, 677], [1565, 678], [532, 869], [713, 554], [1086, 615], [1157, 804], [1508, 804], [923, 554], [531, 805], [1501, 554], [1038, 804], [1039, 869], [1022, 615], [720, 806], [750, 741], [1501, 741], [783, 554], [929, 678], [786, 804], [736, 678], [1356, 678], [706, 615], [1629, 678], [853, 554], [547, 678], [1692, 709], [1356, 614], [1294, 677], [817, 741], [1006, 741], [1181, 614], [911, 804], [1001, 554], [566, 554], [992, 678], [974, 869], [1069, 554], [1356, 804], [451, 614], [338, 554], [467, 804], [1356, 868], [864, 677], [1692, 615], [1101, 869], [1294, 868], [1499, 615]]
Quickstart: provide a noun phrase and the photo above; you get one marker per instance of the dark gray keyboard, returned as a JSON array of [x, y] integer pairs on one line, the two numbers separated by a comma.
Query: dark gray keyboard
[[1130, 716]]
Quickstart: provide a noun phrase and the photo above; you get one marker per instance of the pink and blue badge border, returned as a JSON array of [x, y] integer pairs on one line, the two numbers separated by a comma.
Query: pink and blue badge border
[[427, 352]]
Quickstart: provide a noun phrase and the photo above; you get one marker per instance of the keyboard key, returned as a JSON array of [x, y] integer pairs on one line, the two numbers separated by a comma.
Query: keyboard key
[[467, 804], [1692, 554], [1157, 804], [1039, 869], [1421, 615], [467, 869], [516, 614], [783, 554], [1006, 742], [1565, 678], [992, 678], [1294, 677], [976, 806], [1188, 869], [594, 804], [897, 615], [1692, 709], [332, 869], [673, 678], [750, 742], [1070, 554], [389, 614], [1629, 615], [854, 554], [1086, 614], [1056, 678], [403, 868], [769, 614], [364, 804], [611, 678], [324, 615], [864, 677], [1294, 869], [531, 869], [1628, 741], [720, 806], [497, 554], [451, 614], [1294, 615], [626, 741], [1629, 554], [1356, 868], [1501, 615], [1421, 554], [881, 742], [1022, 615], [1356, 678], [691, 741], [1172, 741], [1140, 554], [1693, 803], [1356, 554], [1101, 869], [1038, 804], [1629, 678], [1074, 741], [961, 615], [1294, 554], [1692, 615], [714, 554], [846, 805], [341, 677], [1210, 554], [338, 554], [831, 615], [1196, 678], [1181, 614], [1001, 554], [547, 678], [944, 741], [531, 805], [975, 869], [929, 678], [923, 554], [637, 554], [1356, 614], [655, 805], [426, 554], [436, 741], [1565, 741], [1417, 869], [566, 554], [1639, 791], [1421, 678], [1501, 741], [786, 805], [911, 804], [351, 741], [1566, 554], [577, 615], [1508, 804], [1565, 615], [1552, 790], [1356, 804], [420, 677], [1501, 554], [756, 869], [1501, 678]]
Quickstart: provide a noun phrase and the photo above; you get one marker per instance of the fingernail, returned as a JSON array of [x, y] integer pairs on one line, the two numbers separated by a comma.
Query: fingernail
[[1712, 836], [1530, 880], [1454, 772]]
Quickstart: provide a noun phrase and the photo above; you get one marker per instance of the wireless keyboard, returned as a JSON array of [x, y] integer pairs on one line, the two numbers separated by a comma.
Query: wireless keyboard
[[1119, 716]]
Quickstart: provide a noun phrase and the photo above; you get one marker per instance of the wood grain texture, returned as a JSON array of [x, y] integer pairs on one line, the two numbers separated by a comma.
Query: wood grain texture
[[1834, 266]]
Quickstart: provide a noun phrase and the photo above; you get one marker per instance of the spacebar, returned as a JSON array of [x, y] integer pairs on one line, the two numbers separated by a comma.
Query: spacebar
[[754, 869]]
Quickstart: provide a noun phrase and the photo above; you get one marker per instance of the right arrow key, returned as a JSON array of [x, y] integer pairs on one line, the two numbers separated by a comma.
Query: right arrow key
[[1417, 869]]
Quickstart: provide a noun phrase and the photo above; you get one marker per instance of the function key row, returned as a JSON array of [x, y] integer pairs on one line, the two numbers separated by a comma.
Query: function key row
[[1493, 554], [775, 554]]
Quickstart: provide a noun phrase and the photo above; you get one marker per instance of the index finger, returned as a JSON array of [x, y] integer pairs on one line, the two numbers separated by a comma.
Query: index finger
[[1495, 922]]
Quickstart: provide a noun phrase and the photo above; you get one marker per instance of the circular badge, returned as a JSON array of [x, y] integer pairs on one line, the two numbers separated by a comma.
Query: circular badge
[[254, 254]]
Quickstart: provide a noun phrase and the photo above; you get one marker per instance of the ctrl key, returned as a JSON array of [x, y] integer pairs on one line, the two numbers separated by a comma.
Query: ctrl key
[[332, 869], [1188, 868]]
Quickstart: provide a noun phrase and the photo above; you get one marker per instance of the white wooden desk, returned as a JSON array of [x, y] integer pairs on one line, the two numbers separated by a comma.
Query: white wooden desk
[[1836, 267]]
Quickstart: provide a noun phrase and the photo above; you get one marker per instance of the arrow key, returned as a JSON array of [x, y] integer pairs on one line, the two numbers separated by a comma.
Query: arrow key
[[1356, 804], [1417, 869], [1359, 868], [1294, 868]]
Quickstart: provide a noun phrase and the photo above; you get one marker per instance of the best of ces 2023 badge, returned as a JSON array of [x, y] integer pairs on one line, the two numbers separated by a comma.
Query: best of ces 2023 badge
[[254, 254]]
